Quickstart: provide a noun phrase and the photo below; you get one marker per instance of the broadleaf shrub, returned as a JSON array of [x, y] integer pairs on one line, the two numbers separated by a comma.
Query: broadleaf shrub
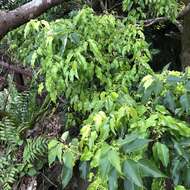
[[131, 136]]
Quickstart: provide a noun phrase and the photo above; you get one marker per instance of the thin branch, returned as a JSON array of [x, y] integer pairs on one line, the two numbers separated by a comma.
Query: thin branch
[[182, 14], [150, 22], [48, 180], [114, 6]]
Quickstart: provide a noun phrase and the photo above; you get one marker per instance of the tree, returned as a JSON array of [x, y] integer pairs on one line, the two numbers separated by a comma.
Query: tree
[[185, 52]]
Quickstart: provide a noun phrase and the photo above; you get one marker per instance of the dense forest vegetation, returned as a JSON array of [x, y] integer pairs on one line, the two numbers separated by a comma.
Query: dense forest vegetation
[[95, 94]]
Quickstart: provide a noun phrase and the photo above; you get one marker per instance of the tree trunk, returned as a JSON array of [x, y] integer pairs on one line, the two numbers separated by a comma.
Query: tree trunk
[[12, 19], [185, 53]]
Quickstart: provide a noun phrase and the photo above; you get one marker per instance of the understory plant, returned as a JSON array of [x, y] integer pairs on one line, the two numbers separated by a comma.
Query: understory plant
[[19, 112]]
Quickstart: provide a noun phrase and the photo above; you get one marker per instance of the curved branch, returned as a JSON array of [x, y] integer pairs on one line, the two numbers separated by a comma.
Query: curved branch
[[12, 19]]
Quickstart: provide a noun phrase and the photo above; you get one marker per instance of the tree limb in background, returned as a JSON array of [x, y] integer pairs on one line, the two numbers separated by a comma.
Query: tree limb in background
[[16, 69], [182, 14], [12, 19]]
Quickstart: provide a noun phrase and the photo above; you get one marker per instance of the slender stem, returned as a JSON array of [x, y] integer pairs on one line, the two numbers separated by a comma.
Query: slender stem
[[48, 180]]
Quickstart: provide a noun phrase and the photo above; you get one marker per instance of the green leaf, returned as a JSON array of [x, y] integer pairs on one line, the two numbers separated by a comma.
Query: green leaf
[[104, 166], [75, 38], [152, 121], [113, 157], [129, 185], [52, 151], [59, 151], [180, 187], [178, 148], [93, 137], [96, 51], [86, 154], [128, 139], [68, 159], [155, 154], [163, 153], [104, 132], [176, 125], [178, 166], [173, 80], [147, 81], [169, 101], [148, 169], [185, 102], [132, 172], [64, 43], [64, 136], [66, 175], [183, 128], [105, 149], [176, 173], [187, 86], [52, 144], [51, 157], [187, 176], [135, 145], [40, 88], [32, 172], [84, 169], [113, 181]]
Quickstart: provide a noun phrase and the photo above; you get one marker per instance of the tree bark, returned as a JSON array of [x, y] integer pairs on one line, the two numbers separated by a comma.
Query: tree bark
[[10, 20], [185, 53]]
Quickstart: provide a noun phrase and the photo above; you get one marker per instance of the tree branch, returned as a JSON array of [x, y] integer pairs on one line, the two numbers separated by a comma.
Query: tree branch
[[182, 14], [12, 19], [16, 69]]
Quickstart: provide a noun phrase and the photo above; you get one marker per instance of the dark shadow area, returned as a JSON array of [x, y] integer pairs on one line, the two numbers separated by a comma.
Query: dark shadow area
[[165, 44]]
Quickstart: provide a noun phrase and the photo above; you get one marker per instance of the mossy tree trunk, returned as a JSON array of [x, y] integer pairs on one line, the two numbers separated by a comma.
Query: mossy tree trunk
[[185, 53]]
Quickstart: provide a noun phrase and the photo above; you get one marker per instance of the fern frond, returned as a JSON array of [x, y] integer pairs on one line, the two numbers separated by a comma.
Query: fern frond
[[9, 131], [19, 107], [22, 113], [35, 149], [9, 173]]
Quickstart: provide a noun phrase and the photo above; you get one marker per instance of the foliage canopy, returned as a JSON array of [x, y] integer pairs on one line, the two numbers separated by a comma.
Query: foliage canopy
[[134, 130]]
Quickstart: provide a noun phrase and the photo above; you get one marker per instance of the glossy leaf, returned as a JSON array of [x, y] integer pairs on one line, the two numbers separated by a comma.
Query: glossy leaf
[[149, 169], [135, 145], [114, 159], [132, 172], [66, 175], [113, 180], [162, 153]]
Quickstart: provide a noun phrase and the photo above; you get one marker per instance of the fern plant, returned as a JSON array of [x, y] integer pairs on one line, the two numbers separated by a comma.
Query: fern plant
[[19, 113], [9, 172]]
